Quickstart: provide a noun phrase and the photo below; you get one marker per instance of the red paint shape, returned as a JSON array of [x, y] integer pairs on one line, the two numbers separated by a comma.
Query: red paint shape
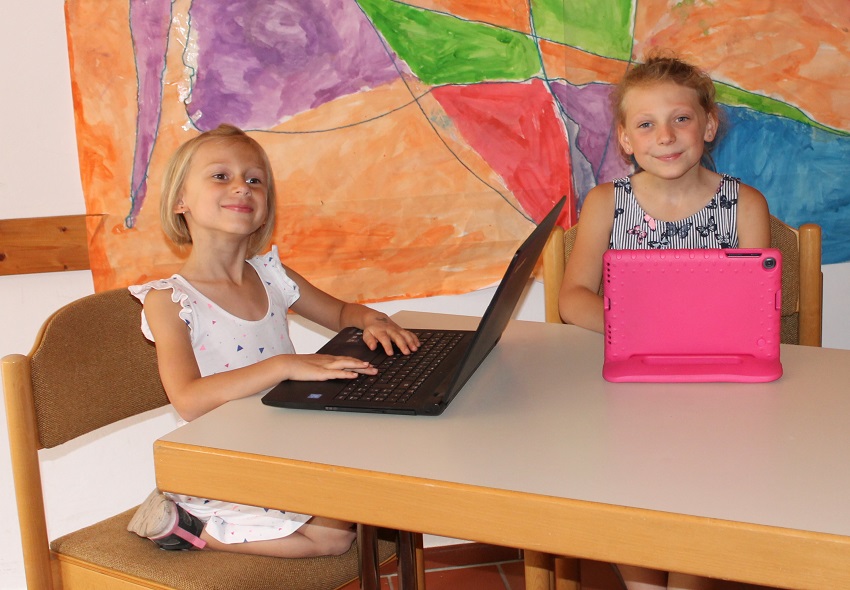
[[516, 129]]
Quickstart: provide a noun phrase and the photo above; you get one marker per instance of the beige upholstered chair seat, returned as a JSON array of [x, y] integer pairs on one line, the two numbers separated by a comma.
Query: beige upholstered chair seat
[[110, 546]]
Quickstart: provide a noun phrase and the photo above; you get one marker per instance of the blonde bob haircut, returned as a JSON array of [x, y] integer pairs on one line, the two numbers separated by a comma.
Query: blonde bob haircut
[[174, 224]]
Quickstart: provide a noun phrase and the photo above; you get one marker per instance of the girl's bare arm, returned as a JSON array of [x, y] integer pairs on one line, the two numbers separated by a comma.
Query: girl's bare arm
[[193, 395], [334, 314], [579, 302], [753, 219]]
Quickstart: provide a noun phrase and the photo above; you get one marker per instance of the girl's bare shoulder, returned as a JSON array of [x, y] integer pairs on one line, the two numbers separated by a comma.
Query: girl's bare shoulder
[[753, 218], [160, 305], [601, 195], [599, 201], [751, 195]]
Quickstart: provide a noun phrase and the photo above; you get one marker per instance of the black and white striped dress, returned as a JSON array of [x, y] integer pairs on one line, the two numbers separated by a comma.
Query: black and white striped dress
[[716, 226]]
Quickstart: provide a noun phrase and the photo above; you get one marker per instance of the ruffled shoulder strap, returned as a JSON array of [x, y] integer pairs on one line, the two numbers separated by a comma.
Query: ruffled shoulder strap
[[273, 273], [180, 293]]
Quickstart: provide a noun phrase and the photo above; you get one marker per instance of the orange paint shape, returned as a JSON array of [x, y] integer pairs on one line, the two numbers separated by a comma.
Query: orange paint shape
[[579, 67], [391, 232], [501, 13], [795, 52]]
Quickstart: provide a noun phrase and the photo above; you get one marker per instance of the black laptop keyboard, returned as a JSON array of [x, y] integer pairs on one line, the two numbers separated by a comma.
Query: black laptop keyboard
[[400, 376]]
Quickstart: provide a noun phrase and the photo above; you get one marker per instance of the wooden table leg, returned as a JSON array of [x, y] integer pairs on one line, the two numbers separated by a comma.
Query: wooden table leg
[[567, 574], [419, 548], [538, 570], [367, 543]]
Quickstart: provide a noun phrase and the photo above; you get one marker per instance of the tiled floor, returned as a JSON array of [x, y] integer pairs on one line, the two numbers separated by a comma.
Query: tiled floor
[[474, 566], [470, 566]]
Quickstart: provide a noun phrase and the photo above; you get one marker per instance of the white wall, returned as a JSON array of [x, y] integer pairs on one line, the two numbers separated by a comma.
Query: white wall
[[39, 176]]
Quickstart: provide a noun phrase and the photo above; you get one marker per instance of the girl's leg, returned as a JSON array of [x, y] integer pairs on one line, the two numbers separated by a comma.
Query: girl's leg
[[319, 536], [641, 578]]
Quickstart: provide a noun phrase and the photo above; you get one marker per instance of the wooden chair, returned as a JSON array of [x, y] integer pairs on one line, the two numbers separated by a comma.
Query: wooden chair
[[802, 279], [802, 312], [90, 367]]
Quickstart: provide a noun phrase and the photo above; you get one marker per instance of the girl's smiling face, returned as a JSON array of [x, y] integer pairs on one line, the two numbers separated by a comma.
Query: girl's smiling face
[[665, 128], [225, 189]]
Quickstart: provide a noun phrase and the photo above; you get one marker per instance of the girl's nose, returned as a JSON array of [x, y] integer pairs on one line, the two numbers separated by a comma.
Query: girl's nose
[[665, 134]]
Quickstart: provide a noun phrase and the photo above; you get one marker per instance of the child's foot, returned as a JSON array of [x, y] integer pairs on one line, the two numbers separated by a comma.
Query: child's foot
[[166, 524]]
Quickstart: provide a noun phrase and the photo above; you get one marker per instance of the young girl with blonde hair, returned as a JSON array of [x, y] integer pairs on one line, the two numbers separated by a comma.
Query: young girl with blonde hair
[[666, 119], [220, 328]]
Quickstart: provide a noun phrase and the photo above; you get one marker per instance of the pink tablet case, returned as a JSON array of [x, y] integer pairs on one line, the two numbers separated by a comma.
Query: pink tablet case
[[692, 315]]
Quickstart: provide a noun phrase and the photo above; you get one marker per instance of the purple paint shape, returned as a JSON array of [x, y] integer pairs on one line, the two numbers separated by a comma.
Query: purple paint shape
[[261, 62], [149, 22], [588, 106]]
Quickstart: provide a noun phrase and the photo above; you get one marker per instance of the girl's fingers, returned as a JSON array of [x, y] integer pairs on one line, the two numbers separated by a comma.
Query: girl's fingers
[[349, 363], [405, 341]]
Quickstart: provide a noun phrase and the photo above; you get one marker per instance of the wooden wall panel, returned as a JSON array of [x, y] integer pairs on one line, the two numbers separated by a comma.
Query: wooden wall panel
[[43, 244]]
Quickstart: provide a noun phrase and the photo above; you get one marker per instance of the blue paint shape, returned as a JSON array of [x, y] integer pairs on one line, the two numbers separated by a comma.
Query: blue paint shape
[[800, 169]]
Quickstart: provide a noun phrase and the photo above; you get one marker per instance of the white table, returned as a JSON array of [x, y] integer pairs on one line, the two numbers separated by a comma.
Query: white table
[[749, 482]]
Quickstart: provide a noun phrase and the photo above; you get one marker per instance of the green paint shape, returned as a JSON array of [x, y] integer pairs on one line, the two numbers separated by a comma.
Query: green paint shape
[[603, 27], [442, 49], [734, 96]]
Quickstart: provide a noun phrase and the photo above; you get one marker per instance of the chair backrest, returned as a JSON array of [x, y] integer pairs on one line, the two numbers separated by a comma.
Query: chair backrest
[[802, 281], [802, 278], [84, 352], [66, 388]]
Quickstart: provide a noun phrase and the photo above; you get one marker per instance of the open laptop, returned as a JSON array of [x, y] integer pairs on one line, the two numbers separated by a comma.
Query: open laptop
[[450, 357], [692, 315]]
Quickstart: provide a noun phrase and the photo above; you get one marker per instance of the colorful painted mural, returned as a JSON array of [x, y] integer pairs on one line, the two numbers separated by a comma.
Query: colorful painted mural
[[415, 143]]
